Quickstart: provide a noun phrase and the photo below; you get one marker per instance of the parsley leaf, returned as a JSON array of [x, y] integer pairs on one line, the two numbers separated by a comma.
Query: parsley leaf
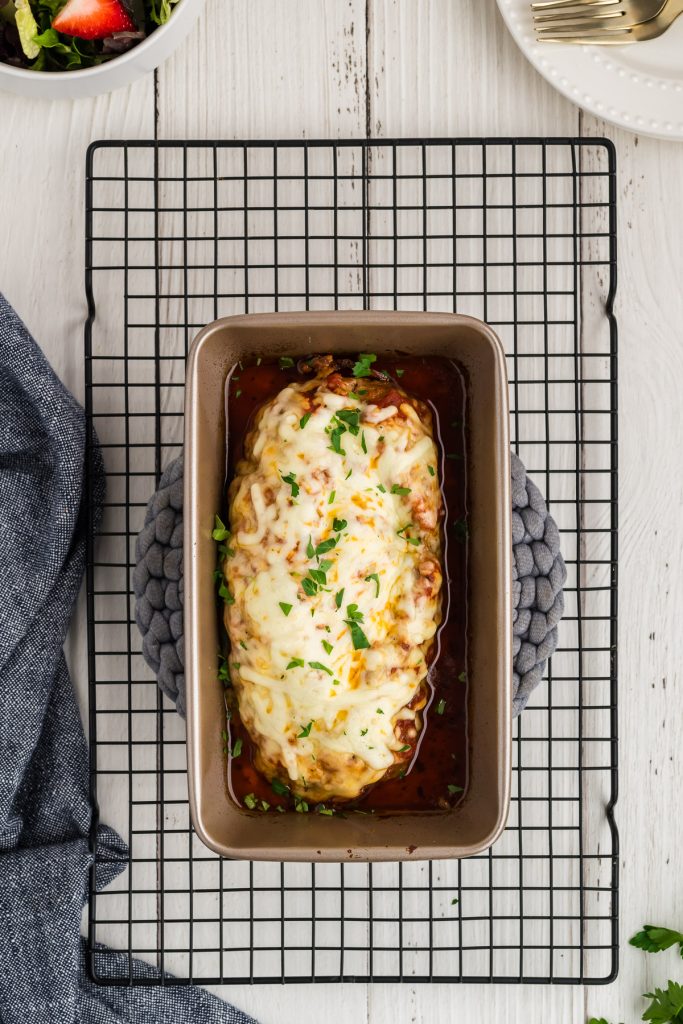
[[395, 489], [310, 587], [325, 565], [382, 488], [237, 749], [335, 439], [351, 418], [279, 787], [338, 525], [305, 731], [353, 613], [666, 1006], [327, 645], [225, 593], [460, 530], [318, 576], [462, 678], [333, 495], [296, 663], [286, 362], [454, 789], [250, 801], [358, 637], [326, 545], [348, 474], [310, 550], [399, 373], [441, 707], [654, 940], [363, 444], [304, 420], [291, 480], [320, 667], [220, 531], [402, 750], [431, 470], [339, 597], [363, 732], [375, 577], [362, 367], [286, 608]]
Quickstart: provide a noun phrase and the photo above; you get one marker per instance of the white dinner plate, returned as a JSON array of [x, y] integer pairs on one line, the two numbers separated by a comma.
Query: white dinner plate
[[639, 87]]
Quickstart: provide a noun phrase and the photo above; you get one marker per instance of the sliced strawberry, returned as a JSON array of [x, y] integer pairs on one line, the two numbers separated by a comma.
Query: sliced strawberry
[[93, 19]]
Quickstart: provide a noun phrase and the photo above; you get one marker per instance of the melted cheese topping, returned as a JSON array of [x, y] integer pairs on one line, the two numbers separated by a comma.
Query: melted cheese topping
[[335, 577]]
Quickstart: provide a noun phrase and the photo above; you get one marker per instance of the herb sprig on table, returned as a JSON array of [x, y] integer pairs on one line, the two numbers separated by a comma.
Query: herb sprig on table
[[667, 1003]]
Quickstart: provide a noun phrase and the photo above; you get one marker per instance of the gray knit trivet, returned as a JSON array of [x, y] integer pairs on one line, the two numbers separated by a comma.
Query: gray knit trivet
[[538, 574]]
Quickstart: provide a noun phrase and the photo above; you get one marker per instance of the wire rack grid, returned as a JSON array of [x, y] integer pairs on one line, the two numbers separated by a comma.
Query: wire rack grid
[[518, 232]]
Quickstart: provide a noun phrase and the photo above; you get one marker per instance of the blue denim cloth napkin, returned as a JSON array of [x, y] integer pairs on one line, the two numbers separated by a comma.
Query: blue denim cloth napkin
[[45, 812]]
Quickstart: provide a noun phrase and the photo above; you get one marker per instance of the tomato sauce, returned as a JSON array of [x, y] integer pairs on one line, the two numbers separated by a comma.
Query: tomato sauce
[[436, 776]]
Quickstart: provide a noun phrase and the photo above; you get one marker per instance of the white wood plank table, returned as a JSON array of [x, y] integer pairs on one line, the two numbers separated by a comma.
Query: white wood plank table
[[349, 68]]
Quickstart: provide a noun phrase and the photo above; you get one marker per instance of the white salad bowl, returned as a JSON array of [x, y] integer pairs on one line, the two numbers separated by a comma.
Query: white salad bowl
[[113, 74]]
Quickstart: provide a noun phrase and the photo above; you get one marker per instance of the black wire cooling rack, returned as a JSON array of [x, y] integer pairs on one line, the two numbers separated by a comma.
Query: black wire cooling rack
[[519, 232]]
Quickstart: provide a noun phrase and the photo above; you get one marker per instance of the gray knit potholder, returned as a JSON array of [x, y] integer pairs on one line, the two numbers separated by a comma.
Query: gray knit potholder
[[538, 575]]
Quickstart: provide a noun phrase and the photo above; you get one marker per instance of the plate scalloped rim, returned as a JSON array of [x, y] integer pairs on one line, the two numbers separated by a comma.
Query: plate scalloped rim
[[648, 103]]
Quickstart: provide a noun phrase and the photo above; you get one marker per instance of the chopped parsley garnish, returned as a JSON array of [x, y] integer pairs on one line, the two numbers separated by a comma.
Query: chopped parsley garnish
[[403, 749], [462, 678], [399, 373], [296, 663], [319, 576], [441, 707], [320, 667], [351, 419], [242, 644], [225, 593], [380, 439], [238, 392], [339, 597], [363, 367], [305, 731], [236, 666], [258, 361], [333, 495], [338, 525], [413, 540], [286, 362], [250, 801], [363, 444], [220, 531], [399, 533], [335, 439], [237, 748], [286, 608], [300, 806], [327, 645], [265, 805], [310, 587], [348, 474], [430, 469], [363, 732], [454, 789], [355, 395], [223, 673], [358, 637], [375, 577], [382, 488], [321, 809], [353, 613], [454, 901], [395, 489], [291, 480], [326, 545], [304, 420], [379, 711], [460, 530], [325, 565], [279, 787], [310, 550]]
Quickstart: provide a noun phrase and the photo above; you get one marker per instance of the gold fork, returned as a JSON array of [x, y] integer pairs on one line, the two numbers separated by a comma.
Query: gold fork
[[603, 22]]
